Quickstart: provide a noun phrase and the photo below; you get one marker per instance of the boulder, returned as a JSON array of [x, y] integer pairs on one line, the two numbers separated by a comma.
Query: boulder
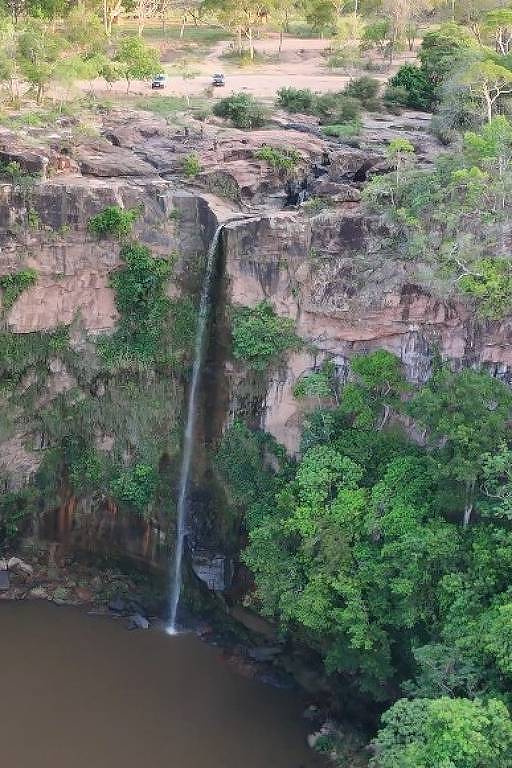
[[137, 621], [336, 191], [264, 653], [105, 160], [15, 563], [352, 164], [118, 605]]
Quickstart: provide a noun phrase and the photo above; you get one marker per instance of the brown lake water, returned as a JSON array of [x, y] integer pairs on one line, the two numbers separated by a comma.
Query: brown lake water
[[79, 691]]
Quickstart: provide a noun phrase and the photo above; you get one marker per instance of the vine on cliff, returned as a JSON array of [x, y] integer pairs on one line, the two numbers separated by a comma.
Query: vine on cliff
[[14, 284]]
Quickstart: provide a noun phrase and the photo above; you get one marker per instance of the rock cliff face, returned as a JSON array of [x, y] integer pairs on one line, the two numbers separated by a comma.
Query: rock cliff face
[[325, 270]]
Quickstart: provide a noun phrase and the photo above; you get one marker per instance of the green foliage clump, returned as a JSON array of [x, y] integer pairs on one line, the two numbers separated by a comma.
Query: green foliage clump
[[491, 285], [334, 108], [459, 733], [366, 90], [135, 487], [15, 506], [14, 284], [261, 337], [242, 109], [113, 221], [416, 90], [279, 159], [20, 352], [191, 165], [320, 384], [295, 99], [143, 306], [442, 51]]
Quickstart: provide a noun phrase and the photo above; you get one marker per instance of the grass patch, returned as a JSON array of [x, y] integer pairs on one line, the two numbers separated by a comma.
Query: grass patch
[[279, 159], [343, 130]]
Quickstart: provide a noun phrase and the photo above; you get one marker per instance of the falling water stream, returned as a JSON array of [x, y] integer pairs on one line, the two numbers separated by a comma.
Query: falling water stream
[[188, 442]]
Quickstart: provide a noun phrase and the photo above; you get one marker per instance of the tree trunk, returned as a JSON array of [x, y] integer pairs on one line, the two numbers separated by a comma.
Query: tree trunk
[[251, 43], [182, 30], [280, 42], [108, 27], [239, 40]]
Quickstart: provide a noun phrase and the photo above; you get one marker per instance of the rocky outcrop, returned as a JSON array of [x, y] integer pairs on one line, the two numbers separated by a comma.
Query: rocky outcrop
[[326, 270]]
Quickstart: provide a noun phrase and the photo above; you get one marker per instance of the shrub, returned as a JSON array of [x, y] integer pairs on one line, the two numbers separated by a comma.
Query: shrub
[[260, 337], [295, 99], [242, 109], [136, 487], [366, 89], [336, 108], [191, 165], [113, 221], [282, 159], [14, 285], [417, 85], [491, 285], [395, 98]]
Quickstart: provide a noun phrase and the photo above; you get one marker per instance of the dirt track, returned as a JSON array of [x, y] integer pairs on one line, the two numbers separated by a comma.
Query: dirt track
[[301, 64]]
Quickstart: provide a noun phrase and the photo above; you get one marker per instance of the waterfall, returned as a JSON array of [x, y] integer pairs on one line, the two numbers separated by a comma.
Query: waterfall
[[188, 443]]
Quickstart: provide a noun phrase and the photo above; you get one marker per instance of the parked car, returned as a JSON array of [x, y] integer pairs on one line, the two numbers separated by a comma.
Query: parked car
[[159, 81], [218, 80]]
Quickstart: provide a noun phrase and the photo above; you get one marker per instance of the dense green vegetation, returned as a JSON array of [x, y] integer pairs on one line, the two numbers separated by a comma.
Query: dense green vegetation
[[14, 284], [260, 337], [242, 109], [113, 221], [279, 159], [392, 558], [153, 329]]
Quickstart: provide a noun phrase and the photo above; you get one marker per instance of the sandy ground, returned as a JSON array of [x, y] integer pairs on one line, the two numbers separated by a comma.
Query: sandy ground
[[301, 65]]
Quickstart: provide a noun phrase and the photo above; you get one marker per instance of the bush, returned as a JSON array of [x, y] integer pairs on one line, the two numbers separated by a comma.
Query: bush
[[14, 285], [366, 89], [295, 99], [260, 337], [417, 85], [135, 487], [242, 109], [395, 98], [279, 159], [191, 165], [335, 108], [113, 221]]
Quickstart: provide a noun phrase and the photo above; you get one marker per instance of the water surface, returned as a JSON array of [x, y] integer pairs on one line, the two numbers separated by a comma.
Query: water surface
[[80, 691]]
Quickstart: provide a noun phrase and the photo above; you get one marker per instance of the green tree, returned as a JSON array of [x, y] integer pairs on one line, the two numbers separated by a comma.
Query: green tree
[[489, 82], [39, 52], [467, 414], [456, 733], [137, 60]]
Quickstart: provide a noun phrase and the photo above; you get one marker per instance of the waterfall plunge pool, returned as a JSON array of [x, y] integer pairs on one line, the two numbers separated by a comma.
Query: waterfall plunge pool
[[81, 691]]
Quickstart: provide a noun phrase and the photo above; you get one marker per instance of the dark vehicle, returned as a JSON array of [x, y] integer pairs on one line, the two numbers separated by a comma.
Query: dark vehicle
[[159, 81], [218, 81]]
